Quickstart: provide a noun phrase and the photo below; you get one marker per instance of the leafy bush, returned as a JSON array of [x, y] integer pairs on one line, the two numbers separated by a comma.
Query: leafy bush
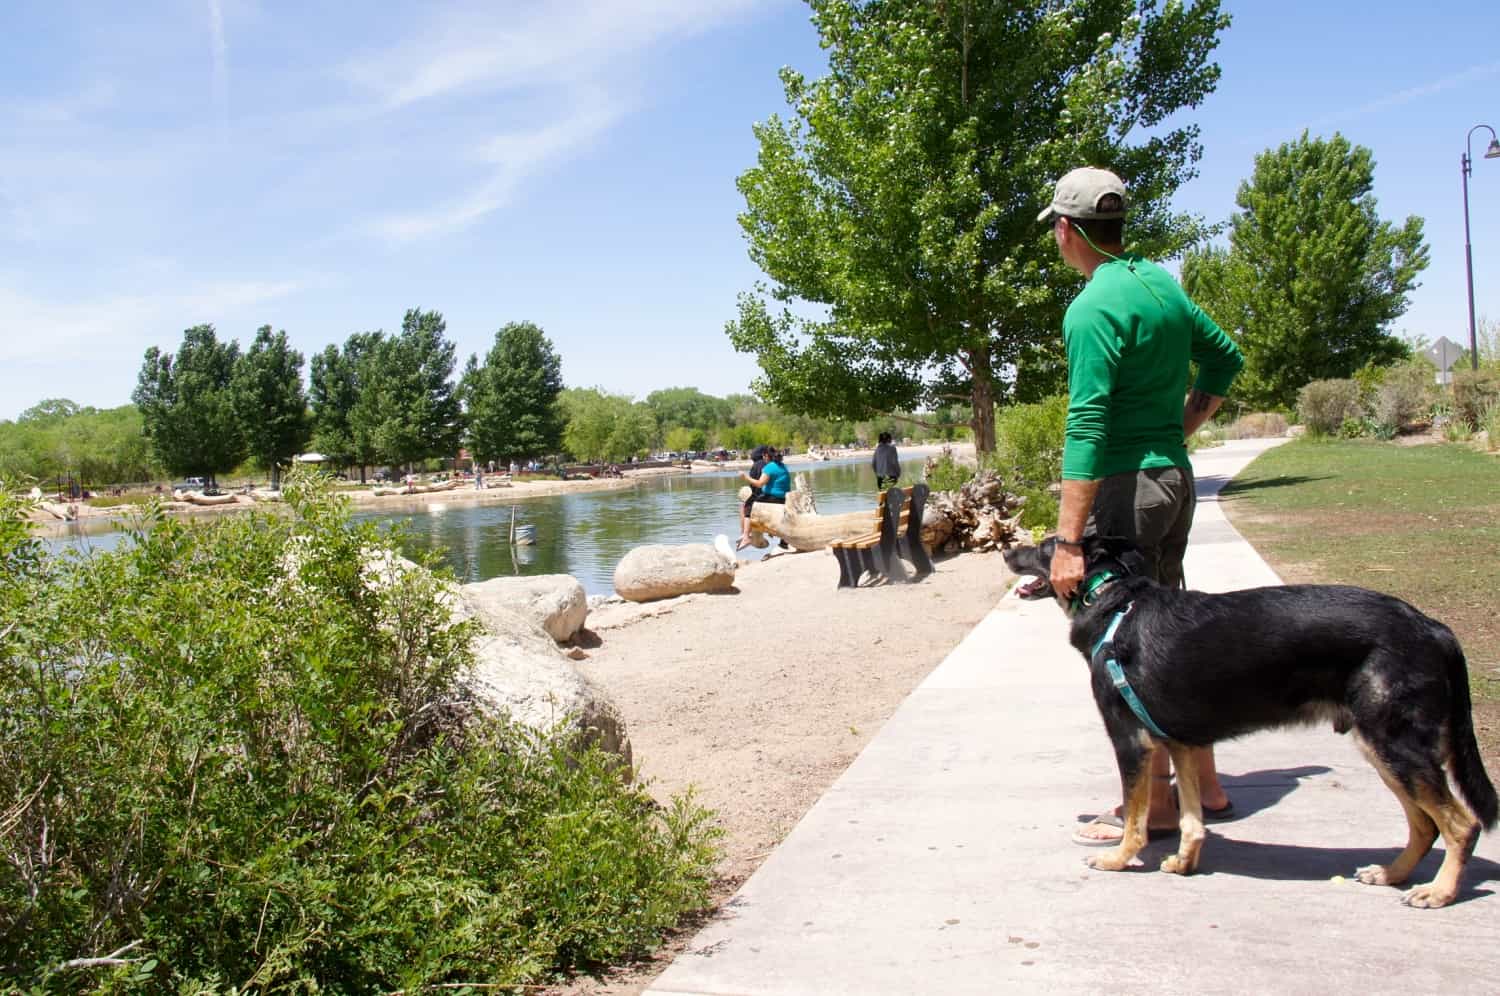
[[1353, 428], [1402, 397], [1489, 421], [945, 472], [1028, 453], [1473, 392], [239, 756], [1324, 405]]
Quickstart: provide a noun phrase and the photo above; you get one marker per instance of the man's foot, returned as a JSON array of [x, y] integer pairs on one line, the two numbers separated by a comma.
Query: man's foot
[[1108, 829]]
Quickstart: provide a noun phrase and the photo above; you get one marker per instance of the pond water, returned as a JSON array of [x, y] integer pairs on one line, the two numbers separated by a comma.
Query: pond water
[[585, 534]]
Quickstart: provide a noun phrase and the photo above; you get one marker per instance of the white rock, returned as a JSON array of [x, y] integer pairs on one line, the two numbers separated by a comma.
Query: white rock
[[556, 602], [658, 571]]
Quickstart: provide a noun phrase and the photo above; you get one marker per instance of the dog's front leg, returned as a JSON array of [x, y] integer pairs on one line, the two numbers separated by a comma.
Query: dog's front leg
[[1190, 812], [1134, 758]]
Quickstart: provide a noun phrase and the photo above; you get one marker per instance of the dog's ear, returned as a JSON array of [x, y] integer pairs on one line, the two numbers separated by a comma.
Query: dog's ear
[[1116, 548]]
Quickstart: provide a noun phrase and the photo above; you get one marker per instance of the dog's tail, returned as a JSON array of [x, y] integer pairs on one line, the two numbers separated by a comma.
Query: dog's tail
[[1468, 768]]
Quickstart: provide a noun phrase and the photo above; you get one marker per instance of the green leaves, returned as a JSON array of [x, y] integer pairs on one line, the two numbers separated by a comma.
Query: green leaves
[[1313, 278], [511, 400], [187, 404], [269, 401], [894, 212], [239, 752]]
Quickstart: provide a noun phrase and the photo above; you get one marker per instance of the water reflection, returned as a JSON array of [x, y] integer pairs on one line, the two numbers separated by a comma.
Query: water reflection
[[584, 535]]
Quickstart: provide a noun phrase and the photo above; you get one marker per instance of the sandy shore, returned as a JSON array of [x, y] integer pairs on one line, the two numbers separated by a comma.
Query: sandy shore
[[759, 699]]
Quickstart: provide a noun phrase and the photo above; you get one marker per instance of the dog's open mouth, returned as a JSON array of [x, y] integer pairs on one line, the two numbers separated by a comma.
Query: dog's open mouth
[[1034, 588]]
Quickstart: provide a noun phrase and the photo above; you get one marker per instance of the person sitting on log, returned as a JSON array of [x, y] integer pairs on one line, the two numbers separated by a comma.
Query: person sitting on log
[[769, 486]]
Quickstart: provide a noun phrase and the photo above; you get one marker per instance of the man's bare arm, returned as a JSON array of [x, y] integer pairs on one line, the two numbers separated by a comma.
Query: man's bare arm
[[1199, 409]]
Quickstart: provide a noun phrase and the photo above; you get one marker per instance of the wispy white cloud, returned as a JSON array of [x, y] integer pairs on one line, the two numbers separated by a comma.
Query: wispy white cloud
[[487, 47], [107, 331], [220, 51], [1408, 95], [511, 157], [93, 97]]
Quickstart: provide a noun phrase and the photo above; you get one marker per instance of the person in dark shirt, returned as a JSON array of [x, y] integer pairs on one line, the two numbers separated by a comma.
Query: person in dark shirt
[[769, 482], [758, 464], [887, 463]]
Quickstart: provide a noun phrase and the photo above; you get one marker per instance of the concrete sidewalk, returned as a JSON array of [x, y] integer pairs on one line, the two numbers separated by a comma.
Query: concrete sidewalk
[[940, 861]]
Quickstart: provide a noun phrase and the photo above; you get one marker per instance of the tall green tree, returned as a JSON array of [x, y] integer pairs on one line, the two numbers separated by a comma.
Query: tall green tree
[[333, 390], [270, 401], [894, 214], [187, 405], [1313, 278], [408, 409], [688, 407], [603, 427], [510, 402]]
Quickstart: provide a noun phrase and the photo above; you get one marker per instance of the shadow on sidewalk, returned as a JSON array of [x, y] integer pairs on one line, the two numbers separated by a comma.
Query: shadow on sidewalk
[[1223, 855]]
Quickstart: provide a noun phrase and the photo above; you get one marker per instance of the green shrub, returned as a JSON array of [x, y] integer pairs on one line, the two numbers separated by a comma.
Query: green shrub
[[240, 752], [1323, 406], [1028, 455], [1353, 428], [944, 472], [1489, 421], [1402, 397], [1473, 392]]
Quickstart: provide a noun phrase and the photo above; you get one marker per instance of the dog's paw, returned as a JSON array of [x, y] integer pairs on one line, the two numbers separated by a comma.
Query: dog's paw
[[1374, 875], [1112, 860], [1178, 865], [1428, 897]]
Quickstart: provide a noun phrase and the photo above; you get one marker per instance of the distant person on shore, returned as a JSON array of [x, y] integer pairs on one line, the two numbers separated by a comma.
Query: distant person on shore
[[769, 486], [478, 478], [887, 463]]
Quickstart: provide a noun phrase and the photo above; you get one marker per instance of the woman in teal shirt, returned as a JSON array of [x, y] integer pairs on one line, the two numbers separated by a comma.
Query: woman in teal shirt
[[774, 482]]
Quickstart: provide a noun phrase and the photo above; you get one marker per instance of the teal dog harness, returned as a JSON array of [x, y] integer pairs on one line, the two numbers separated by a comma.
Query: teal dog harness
[[1106, 646]]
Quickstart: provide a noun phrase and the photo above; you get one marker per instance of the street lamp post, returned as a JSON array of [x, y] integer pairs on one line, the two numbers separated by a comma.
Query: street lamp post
[[1493, 152]]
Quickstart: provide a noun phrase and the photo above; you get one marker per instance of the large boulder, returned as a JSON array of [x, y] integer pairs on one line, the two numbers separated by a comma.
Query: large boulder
[[556, 602], [658, 571], [519, 671]]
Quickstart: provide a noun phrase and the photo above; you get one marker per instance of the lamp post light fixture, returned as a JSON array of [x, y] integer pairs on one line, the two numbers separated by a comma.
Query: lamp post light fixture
[[1467, 162]]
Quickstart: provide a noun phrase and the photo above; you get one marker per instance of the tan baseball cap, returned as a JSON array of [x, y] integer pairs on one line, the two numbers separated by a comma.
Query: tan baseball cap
[[1078, 194]]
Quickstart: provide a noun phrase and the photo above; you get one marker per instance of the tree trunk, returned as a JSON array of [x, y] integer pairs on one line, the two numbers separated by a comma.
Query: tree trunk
[[983, 393]]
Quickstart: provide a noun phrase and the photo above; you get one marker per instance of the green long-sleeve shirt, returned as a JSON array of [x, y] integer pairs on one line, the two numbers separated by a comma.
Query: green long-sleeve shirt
[[1130, 336]]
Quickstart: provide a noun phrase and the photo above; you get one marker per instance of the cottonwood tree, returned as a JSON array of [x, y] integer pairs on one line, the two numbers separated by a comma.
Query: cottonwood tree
[[894, 213], [510, 401], [1312, 278], [187, 405], [333, 390], [407, 408], [270, 402], [604, 426]]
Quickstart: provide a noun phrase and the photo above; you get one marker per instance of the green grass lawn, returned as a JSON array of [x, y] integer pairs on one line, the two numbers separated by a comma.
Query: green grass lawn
[[1418, 522]]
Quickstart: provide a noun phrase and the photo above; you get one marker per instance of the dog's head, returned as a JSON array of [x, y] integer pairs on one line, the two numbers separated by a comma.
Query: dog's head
[[1100, 553]]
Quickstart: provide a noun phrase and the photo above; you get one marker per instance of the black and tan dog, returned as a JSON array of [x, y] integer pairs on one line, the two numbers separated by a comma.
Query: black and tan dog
[[1187, 669]]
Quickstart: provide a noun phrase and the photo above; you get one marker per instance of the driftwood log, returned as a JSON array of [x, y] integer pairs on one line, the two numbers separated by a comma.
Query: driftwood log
[[982, 515], [799, 524]]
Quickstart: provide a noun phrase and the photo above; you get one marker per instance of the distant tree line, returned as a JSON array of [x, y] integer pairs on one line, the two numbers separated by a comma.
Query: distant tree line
[[392, 399]]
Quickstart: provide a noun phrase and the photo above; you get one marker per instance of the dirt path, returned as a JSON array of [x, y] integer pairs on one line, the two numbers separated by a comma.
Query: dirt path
[[761, 698]]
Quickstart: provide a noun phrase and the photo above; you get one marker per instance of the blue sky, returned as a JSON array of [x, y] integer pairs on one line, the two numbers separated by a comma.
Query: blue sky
[[323, 167]]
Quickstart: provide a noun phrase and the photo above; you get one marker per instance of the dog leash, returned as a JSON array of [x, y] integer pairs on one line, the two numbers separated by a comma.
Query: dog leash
[[1116, 673]]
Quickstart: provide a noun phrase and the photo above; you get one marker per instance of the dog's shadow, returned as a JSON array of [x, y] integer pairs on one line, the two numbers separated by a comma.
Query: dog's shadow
[[1231, 849], [1229, 855]]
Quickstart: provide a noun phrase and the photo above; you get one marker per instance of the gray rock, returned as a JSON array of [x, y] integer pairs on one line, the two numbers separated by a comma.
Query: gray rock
[[556, 602], [651, 572], [519, 671]]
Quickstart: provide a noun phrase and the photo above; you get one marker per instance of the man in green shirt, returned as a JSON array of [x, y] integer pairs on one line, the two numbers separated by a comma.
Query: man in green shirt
[[1130, 335]]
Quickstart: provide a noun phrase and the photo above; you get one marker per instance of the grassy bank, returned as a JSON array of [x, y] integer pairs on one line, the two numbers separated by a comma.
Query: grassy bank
[[1419, 522]]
